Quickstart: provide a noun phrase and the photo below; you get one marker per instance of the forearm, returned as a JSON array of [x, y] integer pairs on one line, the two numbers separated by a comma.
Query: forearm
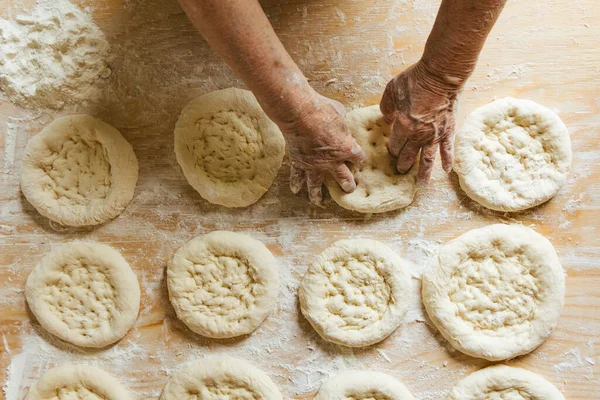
[[458, 35], [241, 34]]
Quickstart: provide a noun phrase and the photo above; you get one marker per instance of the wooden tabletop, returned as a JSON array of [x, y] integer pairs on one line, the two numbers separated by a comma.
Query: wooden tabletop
[[546, 51]]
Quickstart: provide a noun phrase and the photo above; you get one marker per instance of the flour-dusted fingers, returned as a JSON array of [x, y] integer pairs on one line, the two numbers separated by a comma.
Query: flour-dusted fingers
[[358, 154], [297, 179], [341, 173], [387, 106], [426, 165], [407, 156], [447, 152], [314, 181]]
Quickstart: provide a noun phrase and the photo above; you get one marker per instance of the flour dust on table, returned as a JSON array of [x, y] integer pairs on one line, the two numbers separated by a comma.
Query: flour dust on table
[[363, 385], [220, 377], [77, 382], [356, 293], [79, 171], [85, 294], [223, 284], [495, 292], [503, 382], [227, 147], [379, 188], [512, 154], [53, 57]]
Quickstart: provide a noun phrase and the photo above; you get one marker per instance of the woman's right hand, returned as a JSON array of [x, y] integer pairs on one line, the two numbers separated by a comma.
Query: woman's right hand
[[319, 143]]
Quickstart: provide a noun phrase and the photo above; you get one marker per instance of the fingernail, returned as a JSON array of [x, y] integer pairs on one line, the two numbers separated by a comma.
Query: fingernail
[[348, 186]]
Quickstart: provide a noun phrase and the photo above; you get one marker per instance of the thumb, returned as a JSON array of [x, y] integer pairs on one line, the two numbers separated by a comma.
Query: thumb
[[388, 103]]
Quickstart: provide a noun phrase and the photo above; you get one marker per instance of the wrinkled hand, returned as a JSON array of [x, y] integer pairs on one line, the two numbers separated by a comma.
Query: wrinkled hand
[[319, 143], [422, 113]]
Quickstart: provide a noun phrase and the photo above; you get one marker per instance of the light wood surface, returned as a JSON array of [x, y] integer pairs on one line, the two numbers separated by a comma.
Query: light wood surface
[[546, 51]]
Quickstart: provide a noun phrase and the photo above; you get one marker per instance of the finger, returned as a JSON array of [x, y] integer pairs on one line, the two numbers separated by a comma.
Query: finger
[[339, 107], [426, 163], [357, 155], [344, 177], [387, 106], [399, 136], [407, 156], [447, 152], [297, 178], [314, 182]]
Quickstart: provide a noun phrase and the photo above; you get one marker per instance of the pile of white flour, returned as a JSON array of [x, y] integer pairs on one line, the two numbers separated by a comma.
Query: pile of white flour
[[53, 57]]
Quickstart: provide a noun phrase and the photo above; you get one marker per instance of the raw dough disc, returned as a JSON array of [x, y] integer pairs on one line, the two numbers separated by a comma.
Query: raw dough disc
[[503, 382], [220, 378], [356, 292], [379, 188], [77, 382], [79, 171], [229, 150], [512, 154], [495, 292], [84, 293], [363, 385], [223, 284]]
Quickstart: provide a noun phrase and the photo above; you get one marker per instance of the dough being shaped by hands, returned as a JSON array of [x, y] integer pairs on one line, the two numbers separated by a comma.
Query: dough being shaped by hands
[[220, 378], [512, 154], [77, 382], [356, 293], [495, 292], [223, 284], [379, 188], [79, 171], [228, 148], [363, 385], [84, 293], [503, 382]]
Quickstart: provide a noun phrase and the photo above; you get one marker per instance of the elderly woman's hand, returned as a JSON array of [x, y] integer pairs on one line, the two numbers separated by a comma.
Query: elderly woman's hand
[[319, 143], [421, 109]]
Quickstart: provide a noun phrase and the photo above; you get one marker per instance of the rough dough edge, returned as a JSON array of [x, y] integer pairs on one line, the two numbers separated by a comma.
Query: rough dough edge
[[127, 283], [91, 377], [224, 365], [473, 118], [499, 352], [228, 196], [335, 388], [265, 262], [542, 388], [124, 172], [401, 291]]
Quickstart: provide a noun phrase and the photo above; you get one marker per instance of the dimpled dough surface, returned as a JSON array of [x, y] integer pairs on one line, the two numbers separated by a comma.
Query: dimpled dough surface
[[84, 293], [363, 385], [77, 382], [512, 154], [220, 378], [356, 292], [79, 171], [501, 382], [223, 284], [495, 292], [378, 187], [229, 150]]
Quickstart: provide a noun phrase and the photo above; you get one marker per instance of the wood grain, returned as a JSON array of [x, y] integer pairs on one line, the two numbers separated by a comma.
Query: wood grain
[[545, 51]]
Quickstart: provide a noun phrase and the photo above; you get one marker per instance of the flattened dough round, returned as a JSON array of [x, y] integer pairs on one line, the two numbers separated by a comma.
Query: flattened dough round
[[223, 284], [379, 188], [503, 382], [356, 292], [229, 150], [512, 154], [77, 382], [220, 378], [84, 293], [363, 385], [495, 292], [79, 171]]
